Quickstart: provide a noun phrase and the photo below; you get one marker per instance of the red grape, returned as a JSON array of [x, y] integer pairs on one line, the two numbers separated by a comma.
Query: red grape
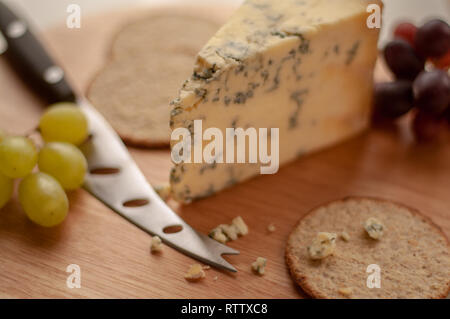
[[447, 115], [432, 91], [433, 39], [402, 59], [393, 99], [406, 31], [443, 62], [428, 127]]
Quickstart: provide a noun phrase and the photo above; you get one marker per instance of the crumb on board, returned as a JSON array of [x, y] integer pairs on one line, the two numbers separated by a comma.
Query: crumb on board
[[345, 236], [156, 244], [230, 231], [259, 266], [224, 233], [241, 226], [271, 228], [218, 235], [195, 273]]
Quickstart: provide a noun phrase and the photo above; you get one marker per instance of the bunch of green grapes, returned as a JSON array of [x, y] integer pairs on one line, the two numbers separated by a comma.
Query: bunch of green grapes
[[62, 166]]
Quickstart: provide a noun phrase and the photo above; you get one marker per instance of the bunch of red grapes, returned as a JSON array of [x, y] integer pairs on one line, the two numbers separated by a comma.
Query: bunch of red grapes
[[420, 60]]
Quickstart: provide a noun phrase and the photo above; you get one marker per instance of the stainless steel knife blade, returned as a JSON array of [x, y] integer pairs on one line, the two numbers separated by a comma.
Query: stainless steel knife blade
[[106, 152]]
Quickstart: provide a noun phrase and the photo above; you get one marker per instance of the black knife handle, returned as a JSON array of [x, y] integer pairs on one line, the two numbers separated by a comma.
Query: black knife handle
[[28, 56]]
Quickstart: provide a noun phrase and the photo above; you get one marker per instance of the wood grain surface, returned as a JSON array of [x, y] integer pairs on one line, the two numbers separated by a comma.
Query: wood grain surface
[[114, 255]]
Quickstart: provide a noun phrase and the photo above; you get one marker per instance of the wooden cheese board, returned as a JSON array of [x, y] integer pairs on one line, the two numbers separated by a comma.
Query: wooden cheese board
[[114, 256]]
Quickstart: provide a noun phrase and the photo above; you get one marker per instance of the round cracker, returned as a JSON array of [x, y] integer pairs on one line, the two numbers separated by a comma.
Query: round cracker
[[164, 32], [150, 61], [413, 254], [134, 97]]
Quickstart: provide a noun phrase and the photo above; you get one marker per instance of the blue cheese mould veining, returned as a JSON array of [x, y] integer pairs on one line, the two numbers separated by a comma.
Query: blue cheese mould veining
[[303, 66]]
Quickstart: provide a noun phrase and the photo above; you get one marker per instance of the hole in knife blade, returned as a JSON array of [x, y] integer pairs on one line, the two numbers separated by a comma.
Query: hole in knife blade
[[172, 229], [136, 202], [105, 171]]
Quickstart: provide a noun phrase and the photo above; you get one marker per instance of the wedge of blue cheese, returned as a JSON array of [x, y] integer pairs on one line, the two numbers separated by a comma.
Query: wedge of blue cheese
[[303, 66]]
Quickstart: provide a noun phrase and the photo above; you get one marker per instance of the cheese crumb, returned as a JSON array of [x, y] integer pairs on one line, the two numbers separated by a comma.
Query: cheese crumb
[[156, 244], [374, 228], [241, 226], [271, 228], [259, 266], [217, 234], [195, 273], [224, 233], [322, 245], [206, 267], [230, 231], [345, 236], [215, 278], [163, 191], [347, 291]]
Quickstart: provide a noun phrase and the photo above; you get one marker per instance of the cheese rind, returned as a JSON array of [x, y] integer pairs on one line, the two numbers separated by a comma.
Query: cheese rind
[[305, 67]]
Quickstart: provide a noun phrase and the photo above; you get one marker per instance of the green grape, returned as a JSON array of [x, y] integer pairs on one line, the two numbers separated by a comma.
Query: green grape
[[6, 190], [64, 122], [43, 199], [18, 156], [64, 162]]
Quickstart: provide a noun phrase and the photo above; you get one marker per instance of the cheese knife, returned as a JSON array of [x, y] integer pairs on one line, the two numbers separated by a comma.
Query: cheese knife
[[113, 177]]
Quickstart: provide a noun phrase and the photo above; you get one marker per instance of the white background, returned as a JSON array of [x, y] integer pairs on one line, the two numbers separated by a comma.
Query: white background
[[47, 12]]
